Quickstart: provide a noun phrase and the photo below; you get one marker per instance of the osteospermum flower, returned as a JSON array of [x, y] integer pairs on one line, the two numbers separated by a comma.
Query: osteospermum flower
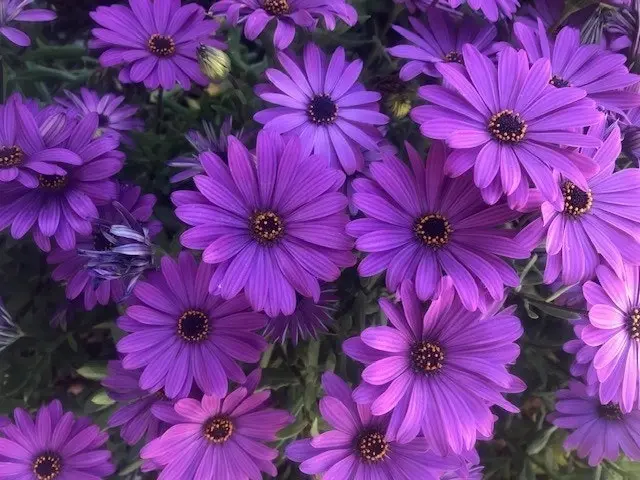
[[438, 372], [600, 431], [72, 265], [614, 328], [422, 226], [15, 11], [509, 125], [582, 365], [439, 38], [274, 224], [180, 333], [219, 438], [323, 103], [154, 42], [597, 71], [53, 446], [256, 15], [358, 446], [600, 222], [63, 205]]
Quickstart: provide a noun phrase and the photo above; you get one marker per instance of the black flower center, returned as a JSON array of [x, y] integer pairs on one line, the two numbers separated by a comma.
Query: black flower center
[[426, 357], [633, 324], [372, 446], [47, 466], [53, 182], [322, 110], [10, 156], [266, 227], [559, 82], [193, 326], [507, 126], [610, 411], [576, 201], [276, 7], [162, 45], [455, 57], [432, 229], [218, 429]]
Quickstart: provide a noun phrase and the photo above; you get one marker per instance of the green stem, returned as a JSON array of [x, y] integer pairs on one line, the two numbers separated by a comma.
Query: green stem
[[557, 293], [526, 269]]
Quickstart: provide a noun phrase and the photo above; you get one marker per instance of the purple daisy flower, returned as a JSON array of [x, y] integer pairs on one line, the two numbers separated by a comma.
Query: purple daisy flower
[[439, 38], [24, 152], [63, 205], [325, 105], [493, 10], [597, 71], [438, 372], [306, 322], [600, 431], [274, 224], [600, 222], [155, 41], [256, 15], [175, 327], [114, 117], [53, 446], [582, 365], [219, 438], [422, 226], [72, 265], [358, 447], [15, 11], [614, 328], [508, 123]]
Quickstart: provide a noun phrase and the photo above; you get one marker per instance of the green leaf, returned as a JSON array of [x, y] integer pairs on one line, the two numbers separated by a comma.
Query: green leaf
[[93, 370], [541, 440], [129, 469], [293, 430], [101, 398]]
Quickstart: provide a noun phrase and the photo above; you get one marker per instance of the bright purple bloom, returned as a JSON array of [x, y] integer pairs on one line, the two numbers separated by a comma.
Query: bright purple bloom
[[438, 372], [180, 333], [323, 103], [53, 446], [256, 15], [600, 222], [493, 10], [359, 446], [155, 42], [422, 226], [438, 38], [219, 438], [273, 223], [14, 11], [582, 366], [599, 431], [469, 469], [509, 124], [62, 206], [114, 117], [71, 267], [597, 71], [614, 328]]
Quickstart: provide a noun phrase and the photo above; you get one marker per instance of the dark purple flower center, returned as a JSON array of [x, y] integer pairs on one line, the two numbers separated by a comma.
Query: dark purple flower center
[[162, 45], [47, 466], [559, 82], [507, 126], [10, 156], [322, 110], [576, 201], [426, 357], [193, 326], [454, 57], [610, 411], [432, 229], [218, 429], [266, 227], [633, 324], [103, 120], [276, 7], [372, 446], [52, 182]]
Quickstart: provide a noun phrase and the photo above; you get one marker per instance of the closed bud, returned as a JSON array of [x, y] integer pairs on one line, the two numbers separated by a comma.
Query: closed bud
[[214, 63]]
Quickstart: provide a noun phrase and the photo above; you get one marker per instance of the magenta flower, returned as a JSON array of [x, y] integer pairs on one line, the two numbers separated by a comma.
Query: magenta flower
[[274, 223], [15, 11], [437, 373], [509, 124], [154, 42], [219, 437], [256, 15], [323, 103]]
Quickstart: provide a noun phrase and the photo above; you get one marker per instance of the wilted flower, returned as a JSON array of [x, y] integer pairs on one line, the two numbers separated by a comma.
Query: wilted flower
[[9, 330], [214, 63]]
